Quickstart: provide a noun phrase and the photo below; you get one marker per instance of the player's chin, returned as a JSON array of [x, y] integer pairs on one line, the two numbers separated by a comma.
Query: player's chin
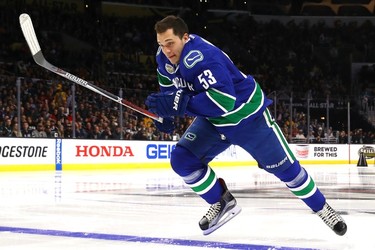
[[173, 59]]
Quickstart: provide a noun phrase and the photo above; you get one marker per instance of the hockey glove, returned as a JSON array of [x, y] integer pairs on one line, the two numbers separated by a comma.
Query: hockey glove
[[167, 126], [168, 103]]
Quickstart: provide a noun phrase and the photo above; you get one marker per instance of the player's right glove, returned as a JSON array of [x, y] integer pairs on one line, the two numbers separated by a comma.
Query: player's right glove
[[167, 126], [166, 104]]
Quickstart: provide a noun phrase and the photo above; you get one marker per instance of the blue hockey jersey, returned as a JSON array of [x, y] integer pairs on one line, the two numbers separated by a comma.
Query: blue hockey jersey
[[219, 91]]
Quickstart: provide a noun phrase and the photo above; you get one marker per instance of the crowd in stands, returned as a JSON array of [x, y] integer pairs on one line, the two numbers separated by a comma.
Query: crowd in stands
[[119, 54]]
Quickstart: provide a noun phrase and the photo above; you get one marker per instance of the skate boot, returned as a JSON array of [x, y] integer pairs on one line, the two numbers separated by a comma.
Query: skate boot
[[332, 219], [220, 212]]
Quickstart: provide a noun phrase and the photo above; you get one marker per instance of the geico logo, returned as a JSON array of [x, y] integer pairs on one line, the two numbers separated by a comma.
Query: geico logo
[[102, 151], [159, 151]]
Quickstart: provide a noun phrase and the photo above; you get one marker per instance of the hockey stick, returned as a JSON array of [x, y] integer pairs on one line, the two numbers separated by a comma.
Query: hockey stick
[[31, 39]]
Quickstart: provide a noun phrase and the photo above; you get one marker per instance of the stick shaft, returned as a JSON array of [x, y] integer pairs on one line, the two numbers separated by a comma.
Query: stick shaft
[[32, 41]]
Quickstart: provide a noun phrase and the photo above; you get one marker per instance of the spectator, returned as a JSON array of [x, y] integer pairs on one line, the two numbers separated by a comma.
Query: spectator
[[81, 132], [106, 133], [15, 131], [61, 130], [89, 130], [357, 137], [318, 139], [7, 127], [54, 131], [26, 130], [96, 134], [300, 136], [311, 137], [39, 132], [68, 131], [60, 97], [118, 133], [343, 138]]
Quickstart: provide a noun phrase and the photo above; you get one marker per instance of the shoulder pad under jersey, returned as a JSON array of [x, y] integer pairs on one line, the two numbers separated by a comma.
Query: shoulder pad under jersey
[[158, 51]]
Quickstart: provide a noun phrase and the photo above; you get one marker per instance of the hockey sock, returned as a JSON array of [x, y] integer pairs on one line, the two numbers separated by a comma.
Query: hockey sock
[[198, 176], [302, 185], [207, 186]]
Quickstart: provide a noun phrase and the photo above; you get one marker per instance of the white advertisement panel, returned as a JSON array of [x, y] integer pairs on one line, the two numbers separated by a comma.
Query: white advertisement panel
[[26, 154], [305, 153], [355, 149], [321, 153], [115, 153], [70, 154]]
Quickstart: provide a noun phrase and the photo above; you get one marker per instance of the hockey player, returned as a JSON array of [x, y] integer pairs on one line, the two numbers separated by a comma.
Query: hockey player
[[198, 79]]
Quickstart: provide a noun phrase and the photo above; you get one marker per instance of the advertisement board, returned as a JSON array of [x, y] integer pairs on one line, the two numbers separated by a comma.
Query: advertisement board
[[28, 154], [18, 154]]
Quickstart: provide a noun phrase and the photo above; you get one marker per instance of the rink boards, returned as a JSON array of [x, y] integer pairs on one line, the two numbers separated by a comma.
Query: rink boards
[[34, 154]]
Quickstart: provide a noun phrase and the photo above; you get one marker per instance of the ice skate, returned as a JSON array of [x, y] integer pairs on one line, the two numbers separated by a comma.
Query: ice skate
[[220, 212], [332, 219]]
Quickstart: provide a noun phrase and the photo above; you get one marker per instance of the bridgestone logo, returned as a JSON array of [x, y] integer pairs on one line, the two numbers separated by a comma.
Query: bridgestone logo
[[76, 79], [23, 151]]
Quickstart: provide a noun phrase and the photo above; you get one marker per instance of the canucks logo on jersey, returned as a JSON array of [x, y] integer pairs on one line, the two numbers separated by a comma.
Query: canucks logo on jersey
[[192, 58]]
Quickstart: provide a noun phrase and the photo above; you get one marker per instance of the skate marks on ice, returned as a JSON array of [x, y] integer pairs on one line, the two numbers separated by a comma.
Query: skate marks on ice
[[144, 210], [82, 224], [108, 221]]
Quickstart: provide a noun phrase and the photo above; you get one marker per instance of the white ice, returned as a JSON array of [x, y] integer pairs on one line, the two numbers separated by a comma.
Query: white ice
[[153, 209]]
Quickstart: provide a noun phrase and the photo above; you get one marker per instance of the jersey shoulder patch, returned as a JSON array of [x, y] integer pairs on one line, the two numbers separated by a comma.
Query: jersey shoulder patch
[[170, 68], [192, 58]]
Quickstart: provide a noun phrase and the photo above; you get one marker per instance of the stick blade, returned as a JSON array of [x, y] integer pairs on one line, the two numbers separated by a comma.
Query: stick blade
[[32, 41], [29, 33]]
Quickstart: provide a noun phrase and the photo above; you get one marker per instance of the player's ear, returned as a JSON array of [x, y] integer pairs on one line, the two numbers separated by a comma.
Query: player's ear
[[185, 37]]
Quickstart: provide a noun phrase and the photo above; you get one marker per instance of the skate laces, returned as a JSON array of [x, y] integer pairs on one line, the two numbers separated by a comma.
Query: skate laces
[[213, 211], [329, 216]]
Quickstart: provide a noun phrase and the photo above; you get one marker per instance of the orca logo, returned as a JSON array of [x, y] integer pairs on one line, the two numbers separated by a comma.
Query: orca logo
[[192, 58]]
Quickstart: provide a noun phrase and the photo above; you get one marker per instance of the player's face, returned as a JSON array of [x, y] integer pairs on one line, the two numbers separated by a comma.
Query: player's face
[[171, 45]]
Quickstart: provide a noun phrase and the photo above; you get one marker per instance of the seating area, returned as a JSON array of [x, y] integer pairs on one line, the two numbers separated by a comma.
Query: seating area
[[313, 7], [338, 7], [289, 59]]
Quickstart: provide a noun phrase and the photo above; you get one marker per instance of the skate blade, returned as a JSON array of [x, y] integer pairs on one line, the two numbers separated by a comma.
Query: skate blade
[[227, 217]]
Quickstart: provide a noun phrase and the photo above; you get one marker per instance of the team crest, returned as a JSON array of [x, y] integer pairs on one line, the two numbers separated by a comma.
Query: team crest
[[169, 68], [192, 58], [190, 136]]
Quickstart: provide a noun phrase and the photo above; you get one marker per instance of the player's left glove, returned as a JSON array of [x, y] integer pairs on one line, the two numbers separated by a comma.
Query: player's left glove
[[168, 103]]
